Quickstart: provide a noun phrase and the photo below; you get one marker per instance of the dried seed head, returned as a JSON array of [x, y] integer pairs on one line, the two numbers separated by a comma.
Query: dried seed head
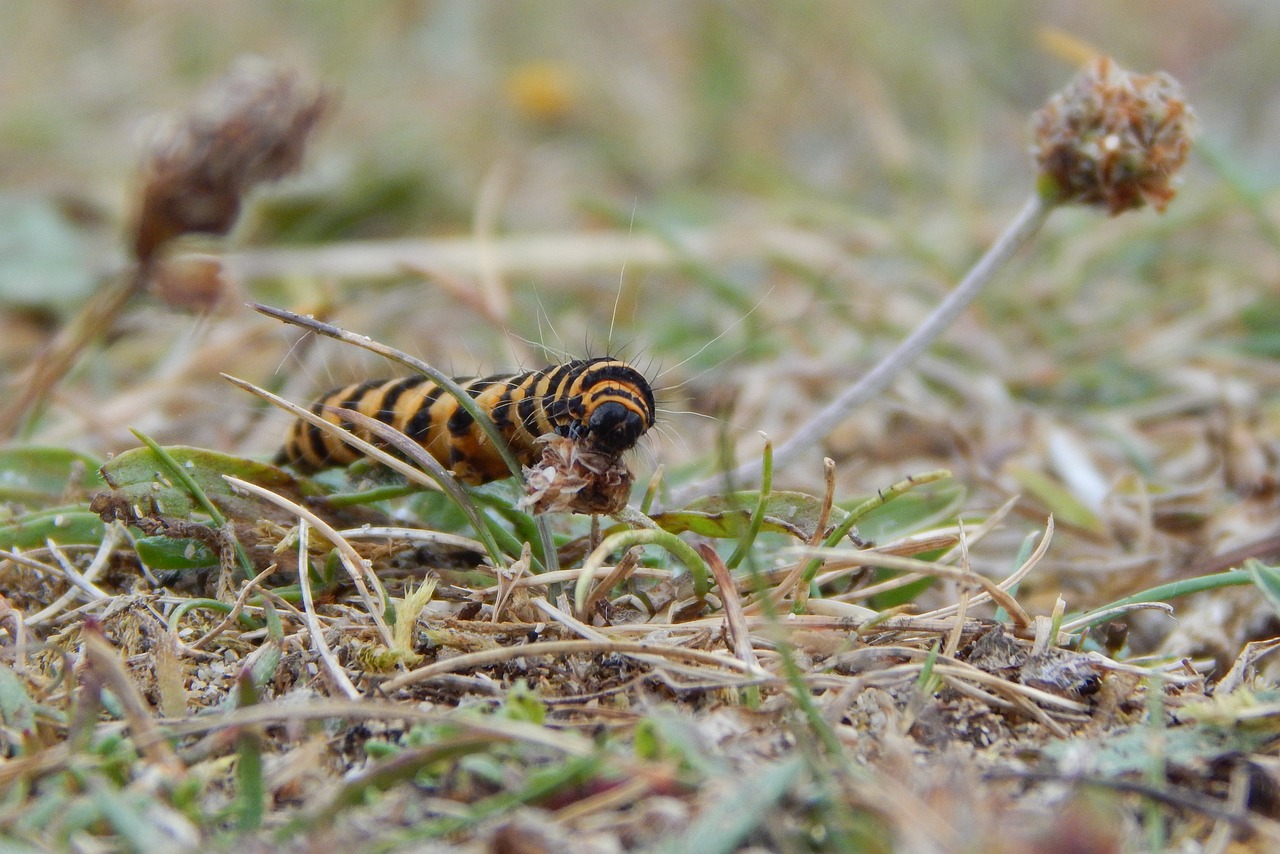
[[194, 283], [1114, 138], [572, 478], [248, 127]]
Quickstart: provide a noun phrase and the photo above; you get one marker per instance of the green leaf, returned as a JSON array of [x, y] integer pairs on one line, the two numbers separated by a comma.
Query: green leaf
[[46, 258], [1064, 505], [914, 510], [35, 475], [16, 708], [727, 516], [725, 823], [139, 476], [163, 553], [1266, 579], [1129, 751], [64, 525]]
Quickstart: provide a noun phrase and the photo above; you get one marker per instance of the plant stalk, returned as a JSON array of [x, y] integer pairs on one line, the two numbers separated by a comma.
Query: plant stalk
[[1023, 227]]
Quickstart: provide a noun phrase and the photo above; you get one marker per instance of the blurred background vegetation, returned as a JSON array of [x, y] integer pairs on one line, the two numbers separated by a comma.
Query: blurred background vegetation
[[1120, 375], [893, 133]]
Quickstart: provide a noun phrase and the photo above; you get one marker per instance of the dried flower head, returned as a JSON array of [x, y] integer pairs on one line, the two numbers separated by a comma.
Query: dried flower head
[[570, 477], [1114, 138], [192, 282], [248, 127]]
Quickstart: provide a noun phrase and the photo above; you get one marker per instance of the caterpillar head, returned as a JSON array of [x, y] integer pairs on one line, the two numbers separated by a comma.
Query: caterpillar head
[[613, 427], [616, 408]]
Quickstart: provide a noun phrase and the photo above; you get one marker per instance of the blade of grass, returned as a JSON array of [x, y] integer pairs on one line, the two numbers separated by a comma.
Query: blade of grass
[[723, 825], [336, 673], [644, 536], [757, 516], [432, 474], [1155, 596], [356, 566]]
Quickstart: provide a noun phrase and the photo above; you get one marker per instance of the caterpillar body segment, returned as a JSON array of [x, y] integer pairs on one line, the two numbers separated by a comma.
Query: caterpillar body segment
[[601, 405]]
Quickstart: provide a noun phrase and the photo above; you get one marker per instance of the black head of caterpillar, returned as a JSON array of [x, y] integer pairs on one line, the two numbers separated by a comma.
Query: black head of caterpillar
[[604, 404]]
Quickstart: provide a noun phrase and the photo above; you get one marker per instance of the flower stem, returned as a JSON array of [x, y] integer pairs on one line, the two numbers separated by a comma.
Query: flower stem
[[1019, 232]]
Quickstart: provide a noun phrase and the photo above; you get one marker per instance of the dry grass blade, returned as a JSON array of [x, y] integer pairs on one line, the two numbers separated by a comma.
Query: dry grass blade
[[238, 607], [370, 450], [570, 622], [1015, 578], [413, 535], [568, 647], [104, 660], [336, 673], [357, 567], [411, 450], [544, 579], [734, 616], [924, 568], [73, 575], [101, 560], [1115, 613], [962, 607]]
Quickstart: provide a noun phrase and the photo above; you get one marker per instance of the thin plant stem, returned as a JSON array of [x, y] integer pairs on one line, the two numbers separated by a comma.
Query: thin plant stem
[[1023, 227], [60, 356]]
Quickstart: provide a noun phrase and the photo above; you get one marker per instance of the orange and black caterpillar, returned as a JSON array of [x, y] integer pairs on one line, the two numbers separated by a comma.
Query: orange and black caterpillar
[[605, 405]]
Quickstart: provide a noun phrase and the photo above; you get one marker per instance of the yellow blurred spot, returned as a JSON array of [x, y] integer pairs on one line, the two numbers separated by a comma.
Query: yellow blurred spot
[[543, 92], [1065, 46]]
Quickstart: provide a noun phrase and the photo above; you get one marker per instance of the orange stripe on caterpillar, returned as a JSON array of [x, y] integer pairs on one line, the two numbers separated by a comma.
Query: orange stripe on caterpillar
[[603, 405]]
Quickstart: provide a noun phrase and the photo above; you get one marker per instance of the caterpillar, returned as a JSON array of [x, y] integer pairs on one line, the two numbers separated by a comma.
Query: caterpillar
[[600, 405]]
